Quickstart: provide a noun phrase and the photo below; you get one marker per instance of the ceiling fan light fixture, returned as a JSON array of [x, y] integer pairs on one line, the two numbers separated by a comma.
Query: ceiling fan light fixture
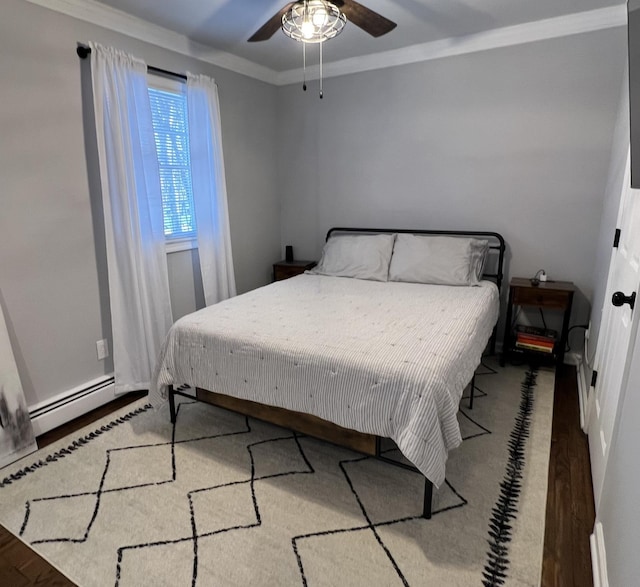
[[313, 21]]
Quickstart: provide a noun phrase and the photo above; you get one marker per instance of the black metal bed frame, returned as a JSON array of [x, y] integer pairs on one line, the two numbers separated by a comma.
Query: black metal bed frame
[[496, 243]]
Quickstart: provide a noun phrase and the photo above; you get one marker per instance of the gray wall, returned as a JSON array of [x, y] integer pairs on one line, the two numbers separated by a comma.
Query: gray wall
[[515, 140], [51, 287]]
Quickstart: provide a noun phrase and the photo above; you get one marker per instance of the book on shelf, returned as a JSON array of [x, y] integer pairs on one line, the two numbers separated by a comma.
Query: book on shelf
[[534, 347], [536, 332], [527, 339], [535, 338]]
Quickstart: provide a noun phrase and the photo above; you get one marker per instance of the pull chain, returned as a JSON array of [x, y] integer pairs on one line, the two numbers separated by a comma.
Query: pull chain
[[304, 67], [321, 70]]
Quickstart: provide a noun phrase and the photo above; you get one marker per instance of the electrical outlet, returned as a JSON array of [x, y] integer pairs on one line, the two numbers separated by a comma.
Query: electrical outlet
[[102, 348]]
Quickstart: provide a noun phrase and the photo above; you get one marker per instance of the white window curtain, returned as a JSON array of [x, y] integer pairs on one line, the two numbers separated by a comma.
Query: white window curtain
[[132, 203], [209, 189]]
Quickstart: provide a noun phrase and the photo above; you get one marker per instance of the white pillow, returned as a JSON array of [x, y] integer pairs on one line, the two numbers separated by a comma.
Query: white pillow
[[442, 260], [359, 256]]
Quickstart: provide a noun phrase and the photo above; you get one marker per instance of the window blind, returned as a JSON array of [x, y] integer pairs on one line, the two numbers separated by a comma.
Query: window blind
[[170, 124]]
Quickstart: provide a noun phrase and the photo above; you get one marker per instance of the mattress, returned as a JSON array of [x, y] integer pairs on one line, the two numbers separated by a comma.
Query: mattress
[[384, 358]]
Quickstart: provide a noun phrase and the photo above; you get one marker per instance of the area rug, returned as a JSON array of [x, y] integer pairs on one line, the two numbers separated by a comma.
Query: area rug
[[221, 499]]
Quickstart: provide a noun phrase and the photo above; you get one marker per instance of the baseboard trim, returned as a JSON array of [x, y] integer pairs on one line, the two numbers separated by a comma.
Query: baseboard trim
[[572, 358], [71, 404], [598, 557]]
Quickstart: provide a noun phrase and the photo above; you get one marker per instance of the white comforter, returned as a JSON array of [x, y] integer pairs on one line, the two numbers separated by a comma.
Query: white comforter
[[390, 359]]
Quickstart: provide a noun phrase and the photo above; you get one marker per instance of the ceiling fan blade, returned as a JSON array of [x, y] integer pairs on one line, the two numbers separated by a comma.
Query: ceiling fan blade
[[267, 30], [365, 18]]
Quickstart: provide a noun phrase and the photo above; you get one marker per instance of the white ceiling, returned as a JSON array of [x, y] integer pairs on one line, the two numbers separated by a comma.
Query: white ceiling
[[227, 24]]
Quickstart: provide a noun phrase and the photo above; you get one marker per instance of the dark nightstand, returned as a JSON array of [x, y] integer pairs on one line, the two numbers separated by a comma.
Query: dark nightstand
[[553, 295], [286, 269]]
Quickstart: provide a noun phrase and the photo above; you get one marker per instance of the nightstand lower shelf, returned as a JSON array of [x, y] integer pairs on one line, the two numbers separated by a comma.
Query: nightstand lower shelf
[[551, 295], [518, 355]]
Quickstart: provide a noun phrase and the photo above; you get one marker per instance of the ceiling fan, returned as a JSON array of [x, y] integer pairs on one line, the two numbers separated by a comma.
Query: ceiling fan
[[363, 17], [316, 21]]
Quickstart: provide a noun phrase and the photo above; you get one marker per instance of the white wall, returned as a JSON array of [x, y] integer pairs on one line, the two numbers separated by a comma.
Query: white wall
[[515, 140], [609, 218], [51, 286]]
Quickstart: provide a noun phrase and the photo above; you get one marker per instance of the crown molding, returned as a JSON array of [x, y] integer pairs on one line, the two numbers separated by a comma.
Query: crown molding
[[561, 26], [122, 22]]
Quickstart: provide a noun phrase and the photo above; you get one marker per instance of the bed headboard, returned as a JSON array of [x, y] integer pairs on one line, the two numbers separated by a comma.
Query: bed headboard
[[494, 267]]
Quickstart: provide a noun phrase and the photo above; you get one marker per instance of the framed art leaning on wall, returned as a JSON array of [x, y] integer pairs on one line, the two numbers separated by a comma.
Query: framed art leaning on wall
[[16, 432]]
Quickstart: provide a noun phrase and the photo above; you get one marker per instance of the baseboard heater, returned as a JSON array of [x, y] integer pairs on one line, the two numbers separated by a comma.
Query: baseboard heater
[[585, 373], [63, 408]]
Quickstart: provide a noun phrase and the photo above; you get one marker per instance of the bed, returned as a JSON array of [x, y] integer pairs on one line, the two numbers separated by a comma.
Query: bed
[[369, 345]]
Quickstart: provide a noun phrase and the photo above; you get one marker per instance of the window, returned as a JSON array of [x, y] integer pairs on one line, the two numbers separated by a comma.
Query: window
[[171, 130]]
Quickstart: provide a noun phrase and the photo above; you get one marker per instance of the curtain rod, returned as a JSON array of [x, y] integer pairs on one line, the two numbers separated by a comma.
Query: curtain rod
[[83, 52]]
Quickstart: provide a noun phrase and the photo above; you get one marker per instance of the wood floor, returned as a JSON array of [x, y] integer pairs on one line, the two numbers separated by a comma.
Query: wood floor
[[570, 507], [569, 520]]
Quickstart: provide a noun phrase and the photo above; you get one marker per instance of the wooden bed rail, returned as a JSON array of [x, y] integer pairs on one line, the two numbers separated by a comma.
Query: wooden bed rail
[[307, 424]]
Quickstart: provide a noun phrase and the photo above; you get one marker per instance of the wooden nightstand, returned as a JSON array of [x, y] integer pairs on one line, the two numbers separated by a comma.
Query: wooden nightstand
[[286, 269], [553, 295]]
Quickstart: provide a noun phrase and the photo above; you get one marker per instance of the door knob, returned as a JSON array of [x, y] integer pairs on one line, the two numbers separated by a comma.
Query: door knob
[[619, 299]]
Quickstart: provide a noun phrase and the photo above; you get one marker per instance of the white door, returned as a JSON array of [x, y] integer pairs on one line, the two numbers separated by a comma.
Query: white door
[[619, 325], [618, 518]]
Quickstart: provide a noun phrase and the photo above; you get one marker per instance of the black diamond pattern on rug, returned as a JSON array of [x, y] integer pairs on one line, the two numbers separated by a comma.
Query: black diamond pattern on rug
[[159, 469], [87, 504], [228, 501], [208, 506], [410, 485], [469, 426], [75, 513]]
